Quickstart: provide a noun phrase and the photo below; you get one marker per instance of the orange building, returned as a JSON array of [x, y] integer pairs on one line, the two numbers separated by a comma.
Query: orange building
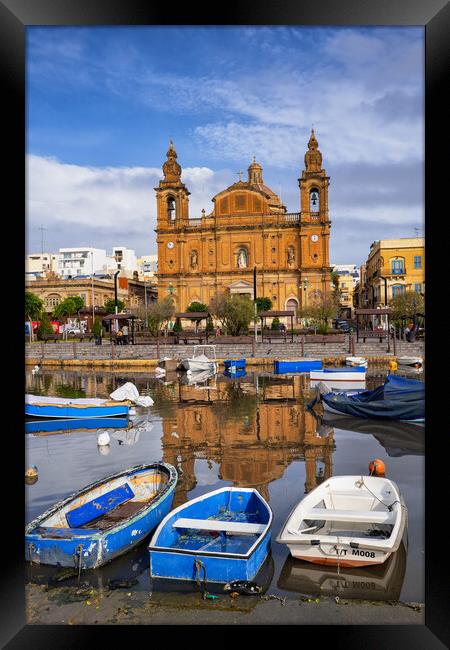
[[248, 227]]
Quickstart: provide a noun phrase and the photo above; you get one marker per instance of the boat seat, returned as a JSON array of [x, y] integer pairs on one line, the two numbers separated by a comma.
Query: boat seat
[[98, 506], [374, 516], [236, 527]]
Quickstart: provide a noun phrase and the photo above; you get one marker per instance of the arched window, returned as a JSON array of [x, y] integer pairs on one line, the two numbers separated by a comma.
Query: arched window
[[398, 289], [52, 300], [292, 305], [398, 266], [171, 208], [314, 200]]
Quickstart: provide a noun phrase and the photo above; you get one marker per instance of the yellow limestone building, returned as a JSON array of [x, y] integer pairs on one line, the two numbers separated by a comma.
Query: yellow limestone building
[[248, 227]]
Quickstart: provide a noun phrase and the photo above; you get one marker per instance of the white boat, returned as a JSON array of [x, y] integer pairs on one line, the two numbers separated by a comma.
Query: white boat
[[334, 376], [200, 360], [347, 521], [356, 361], [412, 362], [340, 385]]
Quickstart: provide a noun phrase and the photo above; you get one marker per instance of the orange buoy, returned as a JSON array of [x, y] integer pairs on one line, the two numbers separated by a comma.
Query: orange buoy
[[377, 468]]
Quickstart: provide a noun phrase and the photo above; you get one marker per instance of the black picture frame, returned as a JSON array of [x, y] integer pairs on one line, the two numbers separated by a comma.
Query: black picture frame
[[15, 16]]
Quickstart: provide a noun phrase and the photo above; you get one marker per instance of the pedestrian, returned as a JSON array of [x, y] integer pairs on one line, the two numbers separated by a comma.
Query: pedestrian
[[125, 335], [218, 331], [119, 337]]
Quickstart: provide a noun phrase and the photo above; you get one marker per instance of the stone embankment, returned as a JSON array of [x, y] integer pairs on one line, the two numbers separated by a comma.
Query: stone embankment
[[76, 353]]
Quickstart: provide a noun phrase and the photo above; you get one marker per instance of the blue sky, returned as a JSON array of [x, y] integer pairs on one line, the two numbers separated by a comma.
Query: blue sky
[[103, 102]]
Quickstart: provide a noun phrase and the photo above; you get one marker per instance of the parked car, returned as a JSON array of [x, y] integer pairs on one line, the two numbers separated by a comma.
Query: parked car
[[344, 325]]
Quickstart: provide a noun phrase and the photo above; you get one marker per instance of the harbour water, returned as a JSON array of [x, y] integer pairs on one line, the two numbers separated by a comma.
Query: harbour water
[[251, 431]]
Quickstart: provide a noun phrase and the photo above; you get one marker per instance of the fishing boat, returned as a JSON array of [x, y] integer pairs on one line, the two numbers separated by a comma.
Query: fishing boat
[[200, 360], [223, 535], [54, 426], [234, 364], [397, 399], [356, 374], [43, 406], [347, 521], [410, 362], [103, 520], [356, 361], [302, 365]]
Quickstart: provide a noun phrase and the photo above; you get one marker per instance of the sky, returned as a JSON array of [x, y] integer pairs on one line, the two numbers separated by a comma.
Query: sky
[[104, 102]]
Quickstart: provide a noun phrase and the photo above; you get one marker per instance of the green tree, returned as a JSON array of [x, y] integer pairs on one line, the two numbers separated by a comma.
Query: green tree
[[68, 307], [263, 304], [33, 306], [97, 329], [234, 312], [275, 324], [44, 328], [320, 312], [110, 306], [177, 326], [197, 306], [159, 313], [407, 305]]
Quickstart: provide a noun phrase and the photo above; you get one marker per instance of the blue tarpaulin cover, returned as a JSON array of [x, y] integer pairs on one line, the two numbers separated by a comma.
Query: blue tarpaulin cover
[[397, 399]]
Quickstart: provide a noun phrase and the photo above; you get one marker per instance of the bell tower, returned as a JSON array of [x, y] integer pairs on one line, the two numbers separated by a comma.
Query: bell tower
[[171, 194], [314, 224]]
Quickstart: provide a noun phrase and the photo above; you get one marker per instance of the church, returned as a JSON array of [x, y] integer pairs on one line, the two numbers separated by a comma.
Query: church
[[248, 228]]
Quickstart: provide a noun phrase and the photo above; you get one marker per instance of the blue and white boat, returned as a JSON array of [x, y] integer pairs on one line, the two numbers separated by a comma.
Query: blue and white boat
[[43, 406], [226, 533], [355, 374], [104, 519], [234, 364], [54, 426], [303, 365], [397, 399], [234, 373]]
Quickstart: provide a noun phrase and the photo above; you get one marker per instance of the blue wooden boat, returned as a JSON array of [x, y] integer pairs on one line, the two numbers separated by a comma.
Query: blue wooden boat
[[104, 519], [220, 536], [297, 366], [234, 363], [43, 406], [55, 426], [234, 373]]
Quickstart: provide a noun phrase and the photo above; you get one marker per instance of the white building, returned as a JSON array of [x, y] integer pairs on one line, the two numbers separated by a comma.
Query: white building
[[147, 266], [122, 259], [81, 261], [38, 264], [348, 269]]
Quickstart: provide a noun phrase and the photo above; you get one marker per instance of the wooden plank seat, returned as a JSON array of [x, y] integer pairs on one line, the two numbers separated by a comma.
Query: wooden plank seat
[[375, 516], [99, 506], [218, 340], [236, 527], [276, 336], [52, 337]]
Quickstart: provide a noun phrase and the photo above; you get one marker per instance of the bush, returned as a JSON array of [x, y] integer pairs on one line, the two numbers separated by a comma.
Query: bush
[[177, 326], [234, 312], [275, 324], [44, 328], [97, 329]]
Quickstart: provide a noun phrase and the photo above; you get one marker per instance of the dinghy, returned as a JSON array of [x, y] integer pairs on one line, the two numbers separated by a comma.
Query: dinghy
[[397, 399], [220, 536], [199, 359], [234, 364], [103, 520], [356, 361], [43, 406], [356, 374], [347, 521], [410, 362], [303, 365]]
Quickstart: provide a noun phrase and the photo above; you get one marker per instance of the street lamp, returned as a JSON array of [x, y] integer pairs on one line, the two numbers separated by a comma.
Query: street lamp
[[92, 288]]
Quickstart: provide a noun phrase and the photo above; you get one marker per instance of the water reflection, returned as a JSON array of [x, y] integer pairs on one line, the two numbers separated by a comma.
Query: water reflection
[[248, 431], [379, 582]]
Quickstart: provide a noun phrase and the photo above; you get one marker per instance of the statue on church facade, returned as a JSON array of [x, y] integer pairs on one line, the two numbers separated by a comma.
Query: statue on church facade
[[242, 260], [194, 259]]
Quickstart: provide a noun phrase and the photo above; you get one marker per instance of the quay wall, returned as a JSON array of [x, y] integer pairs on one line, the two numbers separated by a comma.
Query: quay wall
[[88, 354]]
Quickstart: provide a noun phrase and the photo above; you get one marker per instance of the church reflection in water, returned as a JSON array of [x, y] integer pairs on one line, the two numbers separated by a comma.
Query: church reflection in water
[[252, 428]]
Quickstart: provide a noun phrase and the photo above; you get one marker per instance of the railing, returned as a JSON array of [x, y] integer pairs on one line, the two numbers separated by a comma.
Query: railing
[[289, 217]]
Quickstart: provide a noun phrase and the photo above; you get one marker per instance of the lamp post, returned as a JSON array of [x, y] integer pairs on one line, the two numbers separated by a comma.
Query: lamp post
[[255, 305]]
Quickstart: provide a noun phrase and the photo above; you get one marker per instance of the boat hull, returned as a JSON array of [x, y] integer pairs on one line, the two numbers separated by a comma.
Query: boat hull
[[356, 376], [69, 425], [234, 363], [297, 366], [76, 412], [90, 549], [349, 557], [237, 557]]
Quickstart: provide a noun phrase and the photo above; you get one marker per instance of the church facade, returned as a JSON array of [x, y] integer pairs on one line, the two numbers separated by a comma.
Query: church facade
[[248, 227]]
